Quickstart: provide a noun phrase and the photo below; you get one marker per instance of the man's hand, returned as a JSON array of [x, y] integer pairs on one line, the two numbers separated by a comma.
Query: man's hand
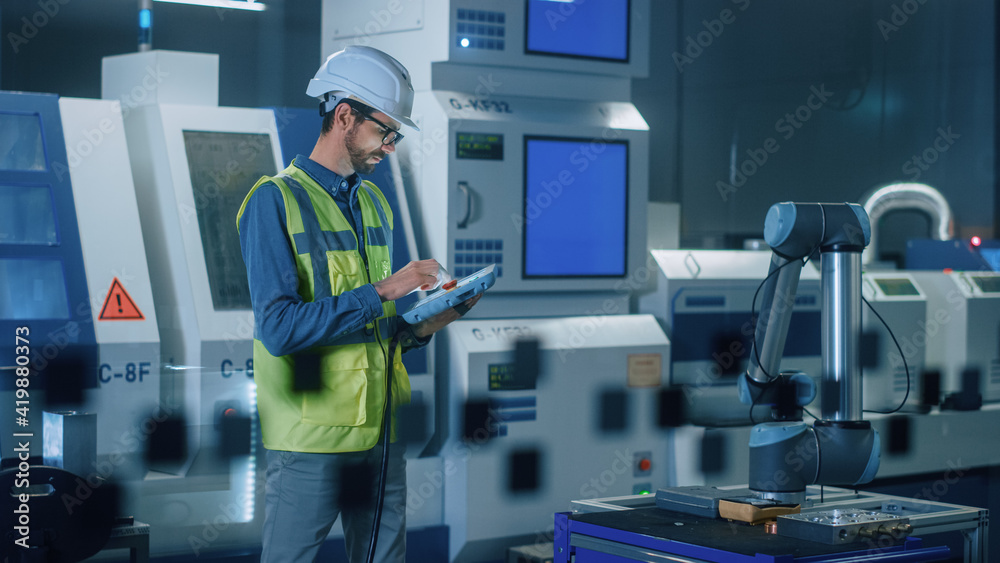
[[420, 274], [426, 328]]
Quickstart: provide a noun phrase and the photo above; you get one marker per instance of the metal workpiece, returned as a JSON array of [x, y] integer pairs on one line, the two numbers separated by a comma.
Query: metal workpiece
[[843, 525], [841, 335]]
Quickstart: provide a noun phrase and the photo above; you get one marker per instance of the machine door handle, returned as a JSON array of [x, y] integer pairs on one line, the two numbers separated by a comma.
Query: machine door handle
[[464, 188]]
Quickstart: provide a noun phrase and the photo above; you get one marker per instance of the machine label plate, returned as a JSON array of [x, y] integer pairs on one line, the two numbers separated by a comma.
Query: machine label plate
[[644, 370]]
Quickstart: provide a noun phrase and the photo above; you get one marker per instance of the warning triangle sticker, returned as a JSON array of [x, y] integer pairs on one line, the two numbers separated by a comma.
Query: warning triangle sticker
[[118, 306]]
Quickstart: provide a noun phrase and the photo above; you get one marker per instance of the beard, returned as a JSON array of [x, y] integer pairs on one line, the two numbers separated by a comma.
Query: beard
[[359, 156]]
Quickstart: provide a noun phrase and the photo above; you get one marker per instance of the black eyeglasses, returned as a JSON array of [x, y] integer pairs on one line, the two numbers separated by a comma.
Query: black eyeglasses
[[391, 137]]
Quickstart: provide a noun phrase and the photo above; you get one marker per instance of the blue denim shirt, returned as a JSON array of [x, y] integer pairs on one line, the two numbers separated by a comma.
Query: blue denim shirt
[[283, 321]]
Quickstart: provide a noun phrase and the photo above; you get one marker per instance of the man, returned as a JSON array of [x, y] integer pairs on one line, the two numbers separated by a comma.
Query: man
[[316, 242]]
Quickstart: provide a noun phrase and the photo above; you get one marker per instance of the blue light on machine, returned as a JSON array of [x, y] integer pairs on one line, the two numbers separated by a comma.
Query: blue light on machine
[[145, 19], [250, 486], [464, 42], [252, 5]]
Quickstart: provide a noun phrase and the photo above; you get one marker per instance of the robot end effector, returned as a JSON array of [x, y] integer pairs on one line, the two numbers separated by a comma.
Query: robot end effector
[[839, 232]]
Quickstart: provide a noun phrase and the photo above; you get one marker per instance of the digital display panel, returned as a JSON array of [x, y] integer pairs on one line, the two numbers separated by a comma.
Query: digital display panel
[[988, 284], [27, 215], [575, 207], [579, 28], [223, 167], [21, 142], [479, 146], [32, 289], [896, 287], [504, 377]]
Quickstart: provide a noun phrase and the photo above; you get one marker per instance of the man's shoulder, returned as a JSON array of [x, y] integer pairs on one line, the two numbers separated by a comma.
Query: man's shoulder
[[267, 193], [375, 190]]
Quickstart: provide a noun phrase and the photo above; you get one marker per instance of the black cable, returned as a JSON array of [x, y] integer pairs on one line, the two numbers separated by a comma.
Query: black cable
[[386, 426], [754, 319], [753, 304], [753, 307], [754, 346], [901, 355]]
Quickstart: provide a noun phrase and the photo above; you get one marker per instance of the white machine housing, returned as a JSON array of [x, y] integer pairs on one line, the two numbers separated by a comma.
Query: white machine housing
[[112, 242], [580, 357], [962, 328], [712, 290], [898, 298], [494, 32], [192, 166], [480, 201]]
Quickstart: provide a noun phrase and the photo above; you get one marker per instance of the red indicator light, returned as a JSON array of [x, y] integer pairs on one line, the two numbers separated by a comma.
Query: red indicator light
[[976, 241], [645, 465]]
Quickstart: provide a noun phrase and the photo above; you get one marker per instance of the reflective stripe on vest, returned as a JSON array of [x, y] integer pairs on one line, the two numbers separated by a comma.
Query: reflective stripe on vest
[[346, 413]]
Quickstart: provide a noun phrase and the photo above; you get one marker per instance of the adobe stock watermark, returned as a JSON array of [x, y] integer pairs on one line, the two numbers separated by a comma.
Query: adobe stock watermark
[[553, 188], [460, 452], [248, 152], [32, 25], [580, 334], [431, 141], [104, 469], [696, 44], [105, 127], [920, 163], [934, 493], [379, 22], [787, 126], [228, 515], [599, 486], [898, 17], [927, 330]]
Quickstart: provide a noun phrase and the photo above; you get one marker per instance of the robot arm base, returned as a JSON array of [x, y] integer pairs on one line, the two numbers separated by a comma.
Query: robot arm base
[[785, 457]]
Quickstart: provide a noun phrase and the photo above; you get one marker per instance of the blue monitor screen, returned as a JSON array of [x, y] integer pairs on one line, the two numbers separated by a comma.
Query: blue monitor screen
[[575, 207], [593, 29]]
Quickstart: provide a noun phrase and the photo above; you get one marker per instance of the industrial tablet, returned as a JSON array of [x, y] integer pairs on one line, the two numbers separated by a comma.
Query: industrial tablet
[[451, 294]]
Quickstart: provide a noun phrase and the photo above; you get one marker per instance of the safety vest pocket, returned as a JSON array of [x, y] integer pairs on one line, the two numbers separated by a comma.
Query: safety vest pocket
[[340, 400], [345, 270]]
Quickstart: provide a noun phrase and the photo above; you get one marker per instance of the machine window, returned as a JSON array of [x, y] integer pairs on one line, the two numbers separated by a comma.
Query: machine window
[[21, 145], [223, 167], [32, 289], [27, 215]]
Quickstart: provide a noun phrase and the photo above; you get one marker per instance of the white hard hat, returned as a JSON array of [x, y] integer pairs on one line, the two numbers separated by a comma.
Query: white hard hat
[[368, 75]]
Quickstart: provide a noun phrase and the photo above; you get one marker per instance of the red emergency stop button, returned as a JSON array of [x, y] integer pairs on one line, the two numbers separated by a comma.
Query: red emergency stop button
[[645, 464]]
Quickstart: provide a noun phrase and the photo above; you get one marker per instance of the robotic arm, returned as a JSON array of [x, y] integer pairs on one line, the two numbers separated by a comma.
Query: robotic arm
[[839, 449]]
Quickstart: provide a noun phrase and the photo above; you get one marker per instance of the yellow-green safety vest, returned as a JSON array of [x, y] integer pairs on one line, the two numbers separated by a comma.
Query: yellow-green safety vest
[[345, 415]]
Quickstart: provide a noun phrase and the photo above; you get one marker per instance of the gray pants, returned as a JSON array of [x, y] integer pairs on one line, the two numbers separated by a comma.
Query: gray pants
[[301, 493]]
